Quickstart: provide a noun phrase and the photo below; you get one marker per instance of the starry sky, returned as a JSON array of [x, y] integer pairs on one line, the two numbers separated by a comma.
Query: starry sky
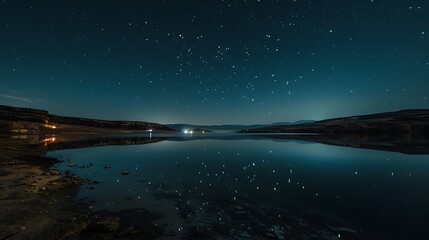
[[214, 62]]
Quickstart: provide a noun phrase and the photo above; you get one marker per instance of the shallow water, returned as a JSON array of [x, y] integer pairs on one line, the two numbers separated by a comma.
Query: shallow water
[[234, 186]]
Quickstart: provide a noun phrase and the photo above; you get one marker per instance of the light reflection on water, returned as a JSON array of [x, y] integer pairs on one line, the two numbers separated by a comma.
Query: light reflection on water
[[282, 188]]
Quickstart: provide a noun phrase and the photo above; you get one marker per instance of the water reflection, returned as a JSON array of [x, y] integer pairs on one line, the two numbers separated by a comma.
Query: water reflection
[[404, 144], [400, 143], [235, 186]]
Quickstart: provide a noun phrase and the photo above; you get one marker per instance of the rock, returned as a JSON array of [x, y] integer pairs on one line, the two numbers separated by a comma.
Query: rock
[[126, 231], [105, 225], [89, 181], [270, 234], [54, 172], [278, 232], [244, 234]]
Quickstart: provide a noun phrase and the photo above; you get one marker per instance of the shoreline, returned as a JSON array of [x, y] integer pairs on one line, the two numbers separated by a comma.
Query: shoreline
[[35, 198], [40, 203], [38, 200]]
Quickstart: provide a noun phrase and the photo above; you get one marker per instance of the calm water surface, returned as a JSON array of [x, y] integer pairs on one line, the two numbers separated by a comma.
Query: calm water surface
[[241, 187]]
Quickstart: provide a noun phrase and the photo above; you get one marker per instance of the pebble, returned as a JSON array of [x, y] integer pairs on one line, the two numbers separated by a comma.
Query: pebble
[[54, 172]]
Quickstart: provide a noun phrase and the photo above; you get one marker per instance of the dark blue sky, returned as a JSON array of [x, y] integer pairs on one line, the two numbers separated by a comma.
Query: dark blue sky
[[213, 62]]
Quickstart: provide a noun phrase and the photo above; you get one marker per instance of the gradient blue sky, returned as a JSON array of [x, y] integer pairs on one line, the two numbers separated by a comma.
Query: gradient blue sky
[[214, 62]]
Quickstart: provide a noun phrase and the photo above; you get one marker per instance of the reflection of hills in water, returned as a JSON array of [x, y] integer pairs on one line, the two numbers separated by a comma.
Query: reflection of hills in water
[[58, 143], [55, 142], [404, 144]]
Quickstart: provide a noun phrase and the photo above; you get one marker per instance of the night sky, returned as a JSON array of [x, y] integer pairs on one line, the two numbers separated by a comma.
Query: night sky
[[215, 62]]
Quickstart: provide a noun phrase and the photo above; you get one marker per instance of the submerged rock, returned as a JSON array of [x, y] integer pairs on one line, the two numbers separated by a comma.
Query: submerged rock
[[278, 232], [127, 231], [54, 172], [105, 225]]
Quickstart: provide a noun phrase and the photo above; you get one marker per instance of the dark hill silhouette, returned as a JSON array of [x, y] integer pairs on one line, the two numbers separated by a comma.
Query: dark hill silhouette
[[27, 120], [405, 122]]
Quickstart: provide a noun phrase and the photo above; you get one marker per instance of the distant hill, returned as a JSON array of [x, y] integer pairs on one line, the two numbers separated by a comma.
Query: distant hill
[[230, 127], [214, 128], [27, 120], [412, 121], [292, 123]]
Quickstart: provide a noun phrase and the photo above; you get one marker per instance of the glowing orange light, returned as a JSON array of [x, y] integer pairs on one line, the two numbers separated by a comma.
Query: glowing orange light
[[49, 140]]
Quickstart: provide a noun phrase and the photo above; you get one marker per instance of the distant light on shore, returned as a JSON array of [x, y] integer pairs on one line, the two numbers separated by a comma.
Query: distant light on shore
[[186, 131], [50, 126]]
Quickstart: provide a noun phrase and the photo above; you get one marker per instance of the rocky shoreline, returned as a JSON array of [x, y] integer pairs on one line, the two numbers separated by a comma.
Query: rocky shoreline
[[38, 201]]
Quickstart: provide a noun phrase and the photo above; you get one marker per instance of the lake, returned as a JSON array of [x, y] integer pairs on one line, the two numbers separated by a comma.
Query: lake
[[231, 186]]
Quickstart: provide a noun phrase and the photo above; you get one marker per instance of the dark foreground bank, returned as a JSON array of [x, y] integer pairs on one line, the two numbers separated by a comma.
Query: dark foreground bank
[[37, 200]]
